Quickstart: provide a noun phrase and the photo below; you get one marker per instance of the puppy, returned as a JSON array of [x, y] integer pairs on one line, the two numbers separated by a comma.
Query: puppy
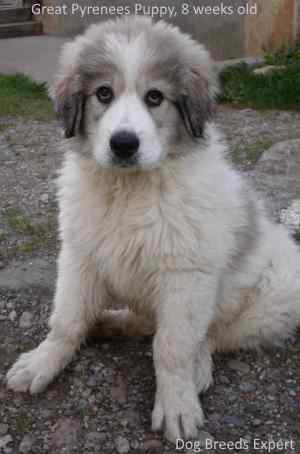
[[153, 218]]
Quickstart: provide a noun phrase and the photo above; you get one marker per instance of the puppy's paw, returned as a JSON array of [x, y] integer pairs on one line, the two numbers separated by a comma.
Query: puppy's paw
[[179, 414], [34, 370]]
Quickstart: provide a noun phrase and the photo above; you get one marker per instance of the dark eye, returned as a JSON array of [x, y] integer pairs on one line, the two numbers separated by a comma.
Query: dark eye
[[104, 94], [154, 98]]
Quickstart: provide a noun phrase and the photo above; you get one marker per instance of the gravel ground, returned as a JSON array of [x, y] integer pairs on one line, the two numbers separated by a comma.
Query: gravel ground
[[102, 402]]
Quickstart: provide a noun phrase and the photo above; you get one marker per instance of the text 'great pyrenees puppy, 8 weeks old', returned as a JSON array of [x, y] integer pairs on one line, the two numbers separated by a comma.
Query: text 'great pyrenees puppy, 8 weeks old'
[[153, 217]]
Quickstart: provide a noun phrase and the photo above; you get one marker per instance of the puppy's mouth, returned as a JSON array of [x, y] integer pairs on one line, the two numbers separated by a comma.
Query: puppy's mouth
[[125, 163]]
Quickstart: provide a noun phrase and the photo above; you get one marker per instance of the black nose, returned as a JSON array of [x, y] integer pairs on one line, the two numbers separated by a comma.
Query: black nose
[[124, 144]]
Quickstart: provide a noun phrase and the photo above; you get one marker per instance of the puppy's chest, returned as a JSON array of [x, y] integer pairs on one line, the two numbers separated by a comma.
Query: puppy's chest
[[136, 239]]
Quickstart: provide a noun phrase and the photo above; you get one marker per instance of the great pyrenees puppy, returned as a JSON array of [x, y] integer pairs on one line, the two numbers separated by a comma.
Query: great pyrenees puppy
[[153, 218]]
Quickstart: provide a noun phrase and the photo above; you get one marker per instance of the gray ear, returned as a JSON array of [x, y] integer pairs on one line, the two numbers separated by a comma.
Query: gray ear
[[69, 106], [70, 114], [197, 104]]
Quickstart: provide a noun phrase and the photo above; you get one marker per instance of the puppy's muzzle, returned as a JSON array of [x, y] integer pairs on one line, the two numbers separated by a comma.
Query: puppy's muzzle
[[124, 145]]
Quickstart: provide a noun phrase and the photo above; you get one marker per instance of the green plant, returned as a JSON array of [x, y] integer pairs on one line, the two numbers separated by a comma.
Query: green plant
[[19, 95], [278, 89]]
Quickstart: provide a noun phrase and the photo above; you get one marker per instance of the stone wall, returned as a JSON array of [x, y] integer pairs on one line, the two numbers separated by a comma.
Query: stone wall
[[272, 24]]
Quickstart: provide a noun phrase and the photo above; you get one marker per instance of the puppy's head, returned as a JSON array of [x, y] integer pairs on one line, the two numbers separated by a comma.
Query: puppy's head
[[136, 92]]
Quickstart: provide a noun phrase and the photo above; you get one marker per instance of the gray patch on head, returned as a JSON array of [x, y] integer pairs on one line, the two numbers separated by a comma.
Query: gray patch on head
[[185, 65]]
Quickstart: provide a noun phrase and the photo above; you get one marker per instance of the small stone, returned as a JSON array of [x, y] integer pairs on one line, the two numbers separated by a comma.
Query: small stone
[[95, 439], [256, 422], [247, 387], [44, 198], [239, 366], [204, 437], [26, 444], [4, 441], [119, 393], [26, 320], [232, 420], [3, 429], [12, 316], [268, 68], [152, 444], [224, 380], [122, 445]]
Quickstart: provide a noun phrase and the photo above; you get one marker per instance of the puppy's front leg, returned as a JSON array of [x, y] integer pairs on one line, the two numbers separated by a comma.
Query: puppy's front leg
[[183, 314], [75, 306]]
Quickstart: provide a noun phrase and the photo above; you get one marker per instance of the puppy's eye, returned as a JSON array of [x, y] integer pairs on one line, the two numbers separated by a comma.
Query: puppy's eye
[[104, 94], [154, 98]]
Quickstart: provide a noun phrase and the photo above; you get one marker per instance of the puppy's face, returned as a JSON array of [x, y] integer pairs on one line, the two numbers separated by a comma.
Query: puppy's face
[[136, 94]]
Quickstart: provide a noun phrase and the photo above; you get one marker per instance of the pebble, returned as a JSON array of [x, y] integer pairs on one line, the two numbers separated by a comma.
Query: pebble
[[44, 198], [119, 393], [95, 439], [153, 443], [247, 387], [12, 316], [256, 422], [203, 436], [4, 441], [26, 320], [224, 380], [26, 444], [3, 429], [122, 445], [239, 366], [232, 420]]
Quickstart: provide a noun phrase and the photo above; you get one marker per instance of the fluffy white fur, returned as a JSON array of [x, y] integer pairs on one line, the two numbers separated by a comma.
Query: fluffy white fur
[[166, 241]]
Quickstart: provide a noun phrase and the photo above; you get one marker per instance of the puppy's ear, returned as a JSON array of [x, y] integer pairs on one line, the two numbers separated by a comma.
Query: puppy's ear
[[69, 106], [196, 103], [66, 91]]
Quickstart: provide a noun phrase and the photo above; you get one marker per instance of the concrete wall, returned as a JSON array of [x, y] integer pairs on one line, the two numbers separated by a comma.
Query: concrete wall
[[233, 35]]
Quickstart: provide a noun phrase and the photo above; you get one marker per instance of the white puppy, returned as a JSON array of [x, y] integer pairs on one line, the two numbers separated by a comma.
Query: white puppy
[[154, 218]]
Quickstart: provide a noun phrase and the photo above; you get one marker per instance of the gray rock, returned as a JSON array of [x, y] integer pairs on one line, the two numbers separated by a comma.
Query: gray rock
[[12, 316], [34, 272], [233, 420], [268, 68], [26, 320], [4, 441], [65, 434], [204, 437], [239, 366], [122, 445], [26, 444], [247, 387], [256, 422], [95, 439], [44, 198], [5, 153], [276, 174], [119, 393], [3, 428], [152, 444]]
